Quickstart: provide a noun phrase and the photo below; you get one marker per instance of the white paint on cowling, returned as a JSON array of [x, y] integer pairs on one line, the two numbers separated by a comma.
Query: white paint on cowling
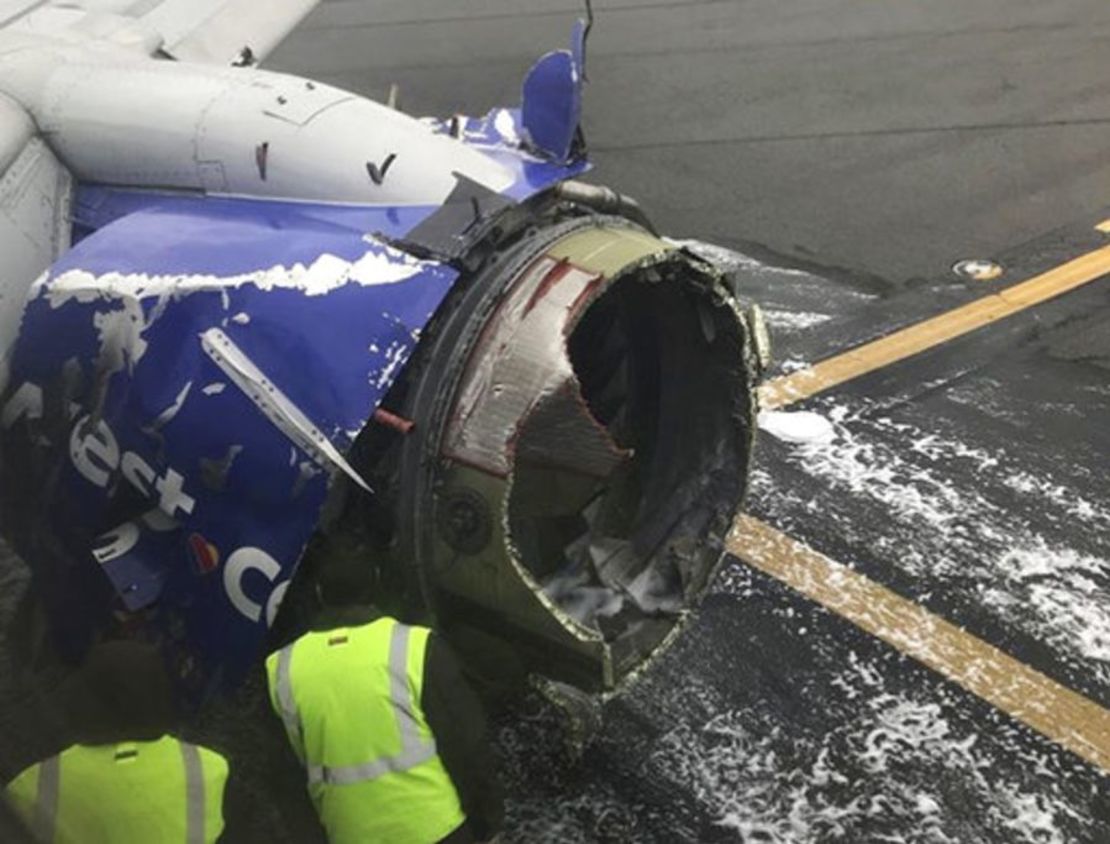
[[120, 333], [166, 416], [122, 329], [326, 273], [506, 126], [395, 356]]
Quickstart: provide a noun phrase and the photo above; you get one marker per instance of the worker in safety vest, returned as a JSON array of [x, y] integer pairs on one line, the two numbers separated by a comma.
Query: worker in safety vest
[[124, 780], [391, 735]]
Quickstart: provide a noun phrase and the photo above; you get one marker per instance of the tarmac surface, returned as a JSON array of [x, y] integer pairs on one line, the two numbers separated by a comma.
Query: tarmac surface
[[857, 150], [844, 154]]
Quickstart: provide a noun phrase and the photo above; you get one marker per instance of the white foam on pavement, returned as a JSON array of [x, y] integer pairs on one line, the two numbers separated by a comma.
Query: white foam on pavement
[[798, 426], [949, 520]]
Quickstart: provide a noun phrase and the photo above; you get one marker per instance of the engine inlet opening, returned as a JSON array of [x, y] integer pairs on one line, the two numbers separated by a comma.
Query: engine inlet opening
[[625, 484]]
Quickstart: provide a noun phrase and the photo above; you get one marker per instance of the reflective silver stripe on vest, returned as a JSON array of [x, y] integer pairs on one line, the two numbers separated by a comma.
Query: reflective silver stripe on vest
[[194, 794], [46, 798], [350, 774], [286, 703], [414, 749], [399, 693]]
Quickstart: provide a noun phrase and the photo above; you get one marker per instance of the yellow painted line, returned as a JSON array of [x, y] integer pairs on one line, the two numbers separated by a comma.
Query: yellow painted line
[[932, 332], [1064, 716], [1104, 226]]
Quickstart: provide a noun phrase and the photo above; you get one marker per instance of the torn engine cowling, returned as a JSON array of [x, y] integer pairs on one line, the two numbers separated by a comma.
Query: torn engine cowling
[[583, 432]]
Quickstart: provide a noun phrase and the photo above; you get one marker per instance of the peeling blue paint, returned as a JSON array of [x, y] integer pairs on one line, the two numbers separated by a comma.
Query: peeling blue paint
[[312, 348]]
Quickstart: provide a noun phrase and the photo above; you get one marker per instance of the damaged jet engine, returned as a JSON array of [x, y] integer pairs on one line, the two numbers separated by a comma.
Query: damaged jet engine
[[581, 441]]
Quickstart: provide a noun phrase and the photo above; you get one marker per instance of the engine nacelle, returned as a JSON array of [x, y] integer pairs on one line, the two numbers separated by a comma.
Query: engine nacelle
[[584, 422]]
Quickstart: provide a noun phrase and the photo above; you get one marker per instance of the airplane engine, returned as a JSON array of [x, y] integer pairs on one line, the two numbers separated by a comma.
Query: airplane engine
[[582, 428]]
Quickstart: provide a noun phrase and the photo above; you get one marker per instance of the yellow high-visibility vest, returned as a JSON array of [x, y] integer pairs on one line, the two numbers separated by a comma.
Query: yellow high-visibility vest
[[162, 792], [350, 702]]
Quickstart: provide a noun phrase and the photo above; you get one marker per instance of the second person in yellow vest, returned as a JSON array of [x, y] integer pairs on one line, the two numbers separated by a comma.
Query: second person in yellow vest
[[391, 736], [125, 779]]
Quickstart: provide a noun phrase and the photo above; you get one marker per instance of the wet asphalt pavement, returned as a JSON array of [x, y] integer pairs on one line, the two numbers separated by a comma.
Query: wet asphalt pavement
[[854, 151], [860, 149]]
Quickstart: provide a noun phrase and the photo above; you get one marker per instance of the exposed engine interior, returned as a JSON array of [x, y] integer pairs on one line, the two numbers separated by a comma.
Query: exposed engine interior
[[615, 550], [583, 425]]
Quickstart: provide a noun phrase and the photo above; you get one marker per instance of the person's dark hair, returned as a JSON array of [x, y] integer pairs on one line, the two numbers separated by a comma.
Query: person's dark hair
[[346, 572], [121, 693]]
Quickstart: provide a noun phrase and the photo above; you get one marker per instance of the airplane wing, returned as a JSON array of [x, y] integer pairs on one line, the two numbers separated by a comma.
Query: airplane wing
[[217, 31], [208, 31]]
